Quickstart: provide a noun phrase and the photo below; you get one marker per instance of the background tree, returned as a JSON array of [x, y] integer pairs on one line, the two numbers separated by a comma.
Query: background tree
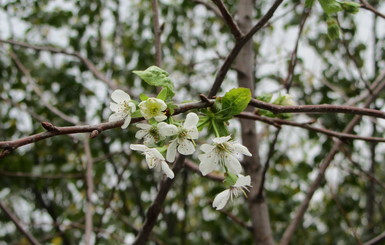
[[67, 176]]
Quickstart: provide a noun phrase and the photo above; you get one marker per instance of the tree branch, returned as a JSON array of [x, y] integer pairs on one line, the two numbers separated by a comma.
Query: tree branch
[[86, 61], [369, 7], [237, 33], [157, 33], [156, 206], [18, 224], [238, 46]]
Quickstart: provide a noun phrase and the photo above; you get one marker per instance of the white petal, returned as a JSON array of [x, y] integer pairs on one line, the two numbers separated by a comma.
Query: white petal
[[155, 153], [221, 199], [133, 107], [186, 147], [140, 134], [238, 148], [149, 140], [160, 118], [126, 122], [232, 164], [167, 129], [191, 120], [206, 148], [119, 96], [116, 117], [242, 181], [193, 133], [114, 107], [151, 161], [221, 140], [167, 170], [138, 147], [171, 151], [143, 126], [206, 166]]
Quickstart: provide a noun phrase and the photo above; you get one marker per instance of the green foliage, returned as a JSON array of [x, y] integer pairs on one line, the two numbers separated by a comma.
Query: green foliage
[[158, 77], [330, 6]]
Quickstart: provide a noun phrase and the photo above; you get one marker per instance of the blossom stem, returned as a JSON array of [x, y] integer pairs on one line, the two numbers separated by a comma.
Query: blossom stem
[[216, 131]]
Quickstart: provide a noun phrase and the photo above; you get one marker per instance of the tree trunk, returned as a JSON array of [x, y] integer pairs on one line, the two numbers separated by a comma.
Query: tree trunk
[[245, 74]]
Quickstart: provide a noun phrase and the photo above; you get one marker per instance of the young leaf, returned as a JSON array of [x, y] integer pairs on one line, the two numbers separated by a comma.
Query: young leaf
[[143, 97], [309, 3], [157, 77], [136, 114], [330, 6], [235, 101], [162, 94], [333, 29]]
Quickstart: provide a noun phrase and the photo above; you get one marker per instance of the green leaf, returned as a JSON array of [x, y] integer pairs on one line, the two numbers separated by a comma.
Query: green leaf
[[162, 94], [235, 101], [230, 180], [219, 127], [136, 114], [333, 29], [143, 97], [157, 77], [265, 97], [330, 6], [350, 7]]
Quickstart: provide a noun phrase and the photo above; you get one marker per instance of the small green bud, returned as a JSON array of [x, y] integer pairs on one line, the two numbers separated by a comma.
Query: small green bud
[[230, 180], [333, 29], [350, 7]]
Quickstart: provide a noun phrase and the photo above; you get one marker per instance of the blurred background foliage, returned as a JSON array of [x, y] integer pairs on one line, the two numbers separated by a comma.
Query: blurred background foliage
[[117, 37]]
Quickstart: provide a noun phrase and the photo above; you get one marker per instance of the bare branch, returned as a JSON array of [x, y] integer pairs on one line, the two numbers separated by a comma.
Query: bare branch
[[157, 33], [237, 33], [210, 6], [380, 82], [369, 7], [18, 224], [278, 122], [156, 206], [238, 46], [378, 240], [90, 190], [86, 61]]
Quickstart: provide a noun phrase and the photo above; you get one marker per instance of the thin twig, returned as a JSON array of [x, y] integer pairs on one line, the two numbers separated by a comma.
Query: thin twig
[[89, 189], [369, 7], [237, 220], [237, 33], [156, 206], [210, 6], [217, 177], [41, 176], [157, 33], [18, 224], [220, 76], [294, 55], [38, 91], [278, 122], [289, 232], [86, 61], [378, 240]]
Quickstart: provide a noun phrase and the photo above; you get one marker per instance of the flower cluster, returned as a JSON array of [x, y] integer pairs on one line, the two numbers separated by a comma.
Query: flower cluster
[[179, 137]]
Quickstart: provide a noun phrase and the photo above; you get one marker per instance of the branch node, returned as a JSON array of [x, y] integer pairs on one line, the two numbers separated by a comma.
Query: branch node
[[204, 98], [94, 134], [50, 127]]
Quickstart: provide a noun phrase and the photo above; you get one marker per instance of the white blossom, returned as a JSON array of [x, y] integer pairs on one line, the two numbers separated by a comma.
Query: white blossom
[[184, 141], [241, 185], [153, 108], [154, 159], [151, 134], [221, 153], [122, 108]]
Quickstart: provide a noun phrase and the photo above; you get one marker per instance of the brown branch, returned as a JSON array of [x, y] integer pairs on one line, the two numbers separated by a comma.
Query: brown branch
[[38, 91], [157, 33], [325, 108], [366, 5], [220, 76], [289, 232], [18, 225], [89, 190], [236, 220], [86, 61], [294, 55], [237, 33], [41, 176], [210, 6], [378, 240], [156, 206], [278, 122]]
